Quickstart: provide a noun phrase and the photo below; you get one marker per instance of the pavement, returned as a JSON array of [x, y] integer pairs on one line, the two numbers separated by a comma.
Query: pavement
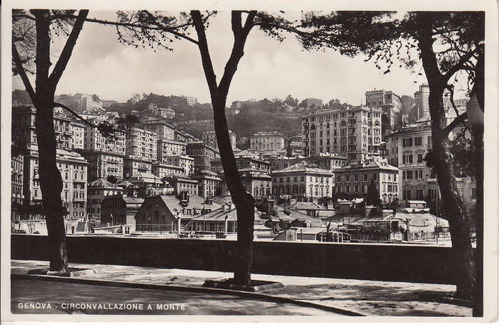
[[299, 296]]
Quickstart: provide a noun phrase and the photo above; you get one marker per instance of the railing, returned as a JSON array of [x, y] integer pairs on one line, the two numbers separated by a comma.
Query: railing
[[156, 228]]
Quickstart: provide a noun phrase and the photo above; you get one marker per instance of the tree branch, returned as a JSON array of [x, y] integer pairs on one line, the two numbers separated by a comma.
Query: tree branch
[[459, 119], [460, 65], [240, 37], [63, 60], [22, 73], [205, 53], [451, 89], [133, 26], [75, 114]]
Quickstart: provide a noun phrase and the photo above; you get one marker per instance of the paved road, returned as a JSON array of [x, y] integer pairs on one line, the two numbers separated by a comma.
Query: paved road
[[34, 296]]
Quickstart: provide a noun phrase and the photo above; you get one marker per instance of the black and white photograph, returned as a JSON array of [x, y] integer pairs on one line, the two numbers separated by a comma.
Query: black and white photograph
[[279, 162]]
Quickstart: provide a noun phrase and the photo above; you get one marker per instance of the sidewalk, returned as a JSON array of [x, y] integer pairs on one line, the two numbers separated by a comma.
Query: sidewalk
[[372, 298]]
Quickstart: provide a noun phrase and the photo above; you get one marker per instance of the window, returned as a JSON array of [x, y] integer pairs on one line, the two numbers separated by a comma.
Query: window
[[365, 177], [420, 158], [418, 141], [420, 194]]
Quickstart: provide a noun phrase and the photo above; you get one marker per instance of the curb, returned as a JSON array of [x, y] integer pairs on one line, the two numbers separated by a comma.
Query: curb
[[246, 294]]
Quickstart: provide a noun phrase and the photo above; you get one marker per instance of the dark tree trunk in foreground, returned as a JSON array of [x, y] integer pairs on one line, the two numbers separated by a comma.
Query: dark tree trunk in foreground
[[243, 201], [42, 97], [455, 211], [478, 134]]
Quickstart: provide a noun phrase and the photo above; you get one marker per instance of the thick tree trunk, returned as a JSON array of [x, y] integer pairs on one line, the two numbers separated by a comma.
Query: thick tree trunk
[[243, 201], [50, 177], [455, 213], [51, 186], [478, 134]]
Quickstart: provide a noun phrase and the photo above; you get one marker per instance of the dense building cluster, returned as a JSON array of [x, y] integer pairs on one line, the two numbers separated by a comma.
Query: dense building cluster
[[342, 153]]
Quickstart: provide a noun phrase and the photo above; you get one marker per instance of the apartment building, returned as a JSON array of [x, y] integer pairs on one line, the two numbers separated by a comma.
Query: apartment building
[[352, 132]]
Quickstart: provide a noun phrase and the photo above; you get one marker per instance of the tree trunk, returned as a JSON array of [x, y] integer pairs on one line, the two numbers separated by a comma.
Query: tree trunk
[[243, 201], [455, 213], [50, 177], [478, 134], [51, 186]]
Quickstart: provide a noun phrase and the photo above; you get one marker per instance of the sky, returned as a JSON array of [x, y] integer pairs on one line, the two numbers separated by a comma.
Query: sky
[[269, 69]]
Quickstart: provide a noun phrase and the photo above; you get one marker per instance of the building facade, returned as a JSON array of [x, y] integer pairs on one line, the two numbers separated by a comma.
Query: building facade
[[302, 181], [210, 139], [391, 108], [202, 155], [208, 183], [97, 190], [73, 168], [166, 148], [163, 130], [355, 178], [141, 144], [162, 170], [267, 141], [352, 132]]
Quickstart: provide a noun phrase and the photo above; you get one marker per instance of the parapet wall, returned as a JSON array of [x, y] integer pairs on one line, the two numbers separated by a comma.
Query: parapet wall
[[387, 262]]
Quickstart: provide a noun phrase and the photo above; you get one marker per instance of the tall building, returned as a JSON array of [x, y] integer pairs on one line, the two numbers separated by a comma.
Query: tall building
[[267, 141], [406, 149], [78, 136], [421, 109], [163, 130], [24, 132], [104, 154], [355, 178], [166, 148], [352, 132], [202, 155], [391, 107], [73, 168], [141, 144], [210, 139]]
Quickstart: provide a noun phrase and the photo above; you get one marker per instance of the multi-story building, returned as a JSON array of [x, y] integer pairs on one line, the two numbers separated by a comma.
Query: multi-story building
[[162, 170], [141, 144], [406, 149], [210, 139], [256, 182], [167, 148], [133, 166], [302, 181], [352, 132], [104, 154], [267, 141], [89, 103], [208, 183], [23, 127], [182, 161], [202, 154], [183, 184], [73, 168], [163, 130], [78, 136], [252, 162], [421, 108], [96, 192], [356, 177], [16, 179], [191, 100], [391, 107]]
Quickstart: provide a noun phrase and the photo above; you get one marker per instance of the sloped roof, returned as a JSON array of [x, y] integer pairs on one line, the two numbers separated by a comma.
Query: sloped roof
[[220, 215], [101, 182], [195, 201], [303, 167]]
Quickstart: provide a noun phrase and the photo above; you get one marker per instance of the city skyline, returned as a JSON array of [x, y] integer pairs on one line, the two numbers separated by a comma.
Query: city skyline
[[266, 61]]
